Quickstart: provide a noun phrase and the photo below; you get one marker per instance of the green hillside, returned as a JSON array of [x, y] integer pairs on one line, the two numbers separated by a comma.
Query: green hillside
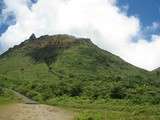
[[61, 65]]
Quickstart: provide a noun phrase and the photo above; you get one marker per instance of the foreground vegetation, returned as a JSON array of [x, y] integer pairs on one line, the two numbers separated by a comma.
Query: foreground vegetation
[[110, 109], [4, 100], [7, 97], [102, 109]]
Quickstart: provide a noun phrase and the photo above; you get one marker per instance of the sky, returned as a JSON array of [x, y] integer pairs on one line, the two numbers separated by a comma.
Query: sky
[[127, 28]]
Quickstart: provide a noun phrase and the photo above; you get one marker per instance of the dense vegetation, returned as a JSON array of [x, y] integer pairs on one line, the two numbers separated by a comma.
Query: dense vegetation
[[54, 67], [61, 65]]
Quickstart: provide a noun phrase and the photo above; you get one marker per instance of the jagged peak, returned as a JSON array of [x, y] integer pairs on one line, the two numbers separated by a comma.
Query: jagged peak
[[60, 40], [32, 37]]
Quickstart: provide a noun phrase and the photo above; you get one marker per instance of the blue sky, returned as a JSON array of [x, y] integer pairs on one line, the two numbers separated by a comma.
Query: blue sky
[[127, 28], [147, 10]]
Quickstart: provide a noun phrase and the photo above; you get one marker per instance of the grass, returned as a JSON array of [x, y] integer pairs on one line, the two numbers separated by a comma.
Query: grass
[[5, 100], [89, 115], [86, 109], [104, 114], [42, 70]]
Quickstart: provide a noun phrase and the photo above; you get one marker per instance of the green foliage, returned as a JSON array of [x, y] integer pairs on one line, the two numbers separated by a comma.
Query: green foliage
[[4, 100], [87, 115], [118, 92], [55, 66], [107, 109], [7, 97]]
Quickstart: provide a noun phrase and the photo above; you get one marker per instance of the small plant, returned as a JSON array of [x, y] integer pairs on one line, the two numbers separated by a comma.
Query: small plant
[[89, 115]]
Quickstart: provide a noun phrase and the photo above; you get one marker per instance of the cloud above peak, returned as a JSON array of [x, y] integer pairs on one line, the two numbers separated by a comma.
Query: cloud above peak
[[101, 20]]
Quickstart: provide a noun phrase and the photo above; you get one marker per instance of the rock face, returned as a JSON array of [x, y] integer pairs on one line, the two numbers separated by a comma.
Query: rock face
[[32, 37]]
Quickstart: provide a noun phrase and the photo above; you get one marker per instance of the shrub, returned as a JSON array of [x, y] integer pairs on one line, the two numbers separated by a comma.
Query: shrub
[[118, 92], [89, 115]]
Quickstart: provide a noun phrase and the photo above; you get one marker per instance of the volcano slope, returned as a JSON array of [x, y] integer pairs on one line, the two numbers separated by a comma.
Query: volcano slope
[[51, 67]]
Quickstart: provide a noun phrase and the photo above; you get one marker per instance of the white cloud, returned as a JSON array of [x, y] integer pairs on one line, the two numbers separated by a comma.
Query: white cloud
[[101, 20]]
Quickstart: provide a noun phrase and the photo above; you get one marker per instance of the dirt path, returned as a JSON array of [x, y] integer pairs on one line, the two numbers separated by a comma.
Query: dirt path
[[34, 112]]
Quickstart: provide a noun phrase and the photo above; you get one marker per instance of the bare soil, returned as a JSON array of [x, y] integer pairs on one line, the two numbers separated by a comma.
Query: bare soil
[[34, 112]]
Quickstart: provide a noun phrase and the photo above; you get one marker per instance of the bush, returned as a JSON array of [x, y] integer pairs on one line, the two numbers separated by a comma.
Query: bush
[[118, 92], [89, 115]]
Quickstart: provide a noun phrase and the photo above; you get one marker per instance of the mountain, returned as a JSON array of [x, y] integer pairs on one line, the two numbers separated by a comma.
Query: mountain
[[63, 65]]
